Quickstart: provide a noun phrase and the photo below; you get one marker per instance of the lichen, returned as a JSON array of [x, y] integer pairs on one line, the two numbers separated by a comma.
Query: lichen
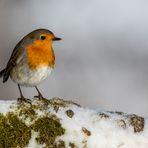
[[49, 128], [14, 133]]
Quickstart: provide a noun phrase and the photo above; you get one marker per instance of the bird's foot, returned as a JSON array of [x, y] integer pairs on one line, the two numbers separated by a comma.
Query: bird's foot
[[24, 100], [41, 98]]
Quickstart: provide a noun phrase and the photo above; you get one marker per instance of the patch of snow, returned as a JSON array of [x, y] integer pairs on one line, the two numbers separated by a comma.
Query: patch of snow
[[104, 132], [5, 105], [33, 143]]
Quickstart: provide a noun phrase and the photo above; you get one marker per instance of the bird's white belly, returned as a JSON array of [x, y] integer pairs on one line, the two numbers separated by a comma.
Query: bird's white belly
[[27, 77]]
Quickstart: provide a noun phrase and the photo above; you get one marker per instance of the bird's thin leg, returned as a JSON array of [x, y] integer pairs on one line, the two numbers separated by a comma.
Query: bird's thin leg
[[40, 96], [22, 98], [20, 91]]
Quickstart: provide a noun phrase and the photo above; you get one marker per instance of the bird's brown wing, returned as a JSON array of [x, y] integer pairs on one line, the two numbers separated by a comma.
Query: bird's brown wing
[[17, 52]]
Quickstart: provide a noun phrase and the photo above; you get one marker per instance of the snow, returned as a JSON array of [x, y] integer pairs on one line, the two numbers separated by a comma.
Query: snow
[[104, 132], [33, 143], [5, 106]]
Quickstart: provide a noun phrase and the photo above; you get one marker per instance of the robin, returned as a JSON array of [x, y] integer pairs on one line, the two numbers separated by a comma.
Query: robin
[[31, 61]]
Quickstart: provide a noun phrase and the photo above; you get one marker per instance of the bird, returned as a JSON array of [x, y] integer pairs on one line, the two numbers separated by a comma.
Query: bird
[[31, 61]]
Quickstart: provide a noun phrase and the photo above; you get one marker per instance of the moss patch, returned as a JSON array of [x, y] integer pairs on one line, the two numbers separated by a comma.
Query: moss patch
[[57, 103], [16, 127], [60, 144], [72, 145], [70, 113], [137, 122], [86, 131], [13, 132], [27, 112], [48, 128], [121, 123], [103, 116]]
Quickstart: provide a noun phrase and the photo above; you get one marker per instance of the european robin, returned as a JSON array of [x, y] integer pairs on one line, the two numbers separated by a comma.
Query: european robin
[[31, 61]]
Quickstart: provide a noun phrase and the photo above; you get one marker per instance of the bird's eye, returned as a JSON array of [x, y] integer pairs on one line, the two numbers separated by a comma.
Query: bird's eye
[[43, 37]]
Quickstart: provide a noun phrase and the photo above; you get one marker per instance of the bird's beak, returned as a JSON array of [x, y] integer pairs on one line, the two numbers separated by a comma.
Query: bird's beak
[[56, 39]]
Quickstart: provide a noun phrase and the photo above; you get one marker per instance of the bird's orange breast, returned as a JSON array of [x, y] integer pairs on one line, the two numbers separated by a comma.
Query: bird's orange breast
[[40, 54]]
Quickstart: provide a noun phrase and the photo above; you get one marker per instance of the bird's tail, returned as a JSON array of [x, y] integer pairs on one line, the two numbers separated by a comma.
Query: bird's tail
[[2, 73]]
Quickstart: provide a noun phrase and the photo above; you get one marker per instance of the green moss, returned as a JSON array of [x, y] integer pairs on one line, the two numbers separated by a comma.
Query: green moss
[[44, 104], [15, 127], [70, 113], [13, 132], [72, 145], [137, 122], [103, 116], [57, 103], [86, 131], [121, 123], [27, 112], [49, 128], [38, 105], [60, 144]]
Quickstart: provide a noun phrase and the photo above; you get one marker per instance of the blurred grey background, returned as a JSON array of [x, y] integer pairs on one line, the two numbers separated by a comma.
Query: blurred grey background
[[102, 61]]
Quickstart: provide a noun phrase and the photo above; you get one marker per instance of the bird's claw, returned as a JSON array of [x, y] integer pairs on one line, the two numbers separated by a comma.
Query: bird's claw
[[41, 98], [24, 100]]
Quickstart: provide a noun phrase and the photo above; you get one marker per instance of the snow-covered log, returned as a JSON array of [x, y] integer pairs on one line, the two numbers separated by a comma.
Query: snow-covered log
[[57, 123]]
